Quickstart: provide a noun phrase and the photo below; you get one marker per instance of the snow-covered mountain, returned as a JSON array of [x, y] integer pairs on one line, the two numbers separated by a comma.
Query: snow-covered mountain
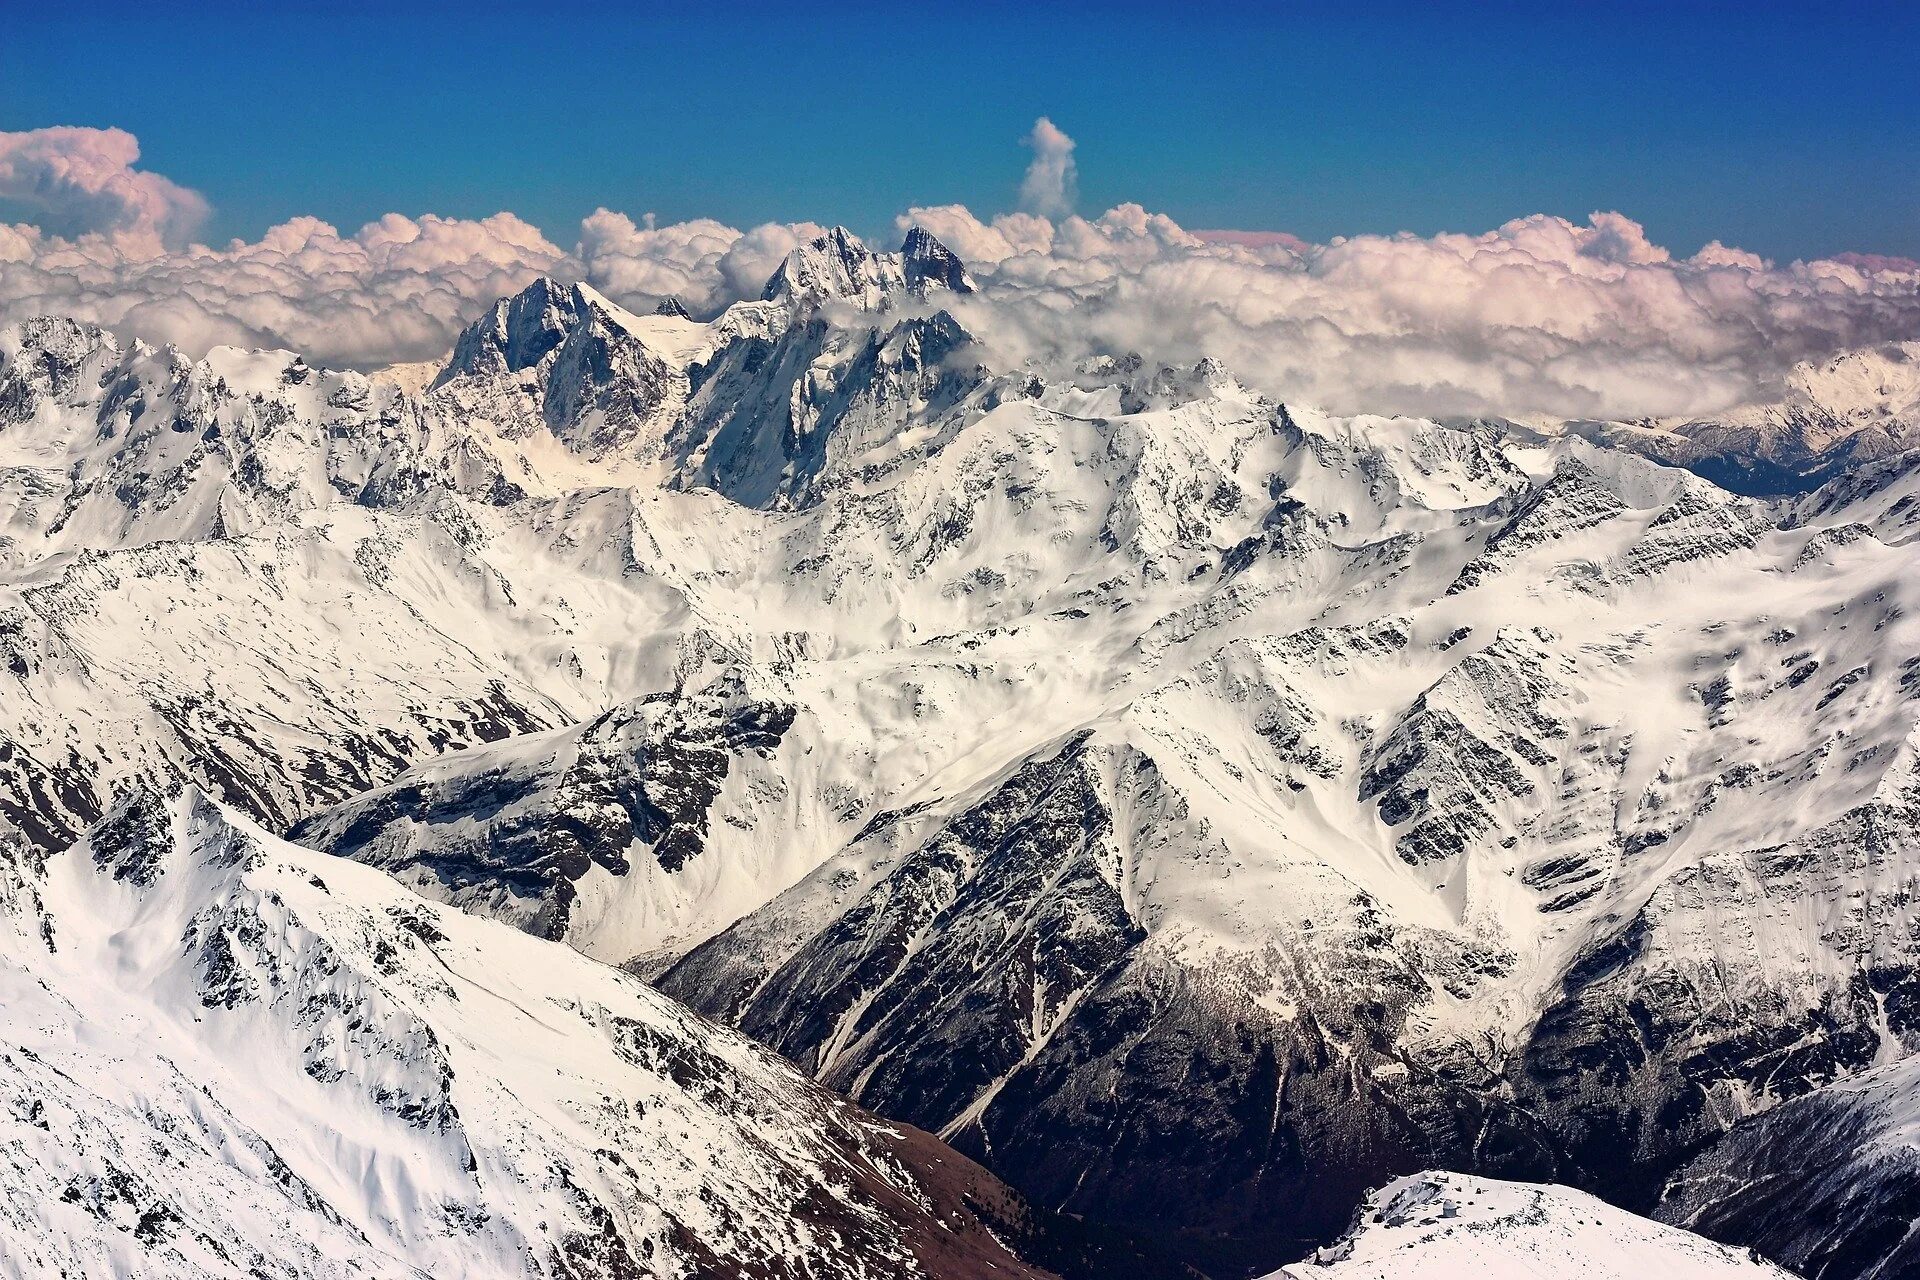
[[1828, 418], [1828, 1183], [837, 267], [286, 583], [1372, 769], [1195, 808], [229, 1056], [1448, 1226]]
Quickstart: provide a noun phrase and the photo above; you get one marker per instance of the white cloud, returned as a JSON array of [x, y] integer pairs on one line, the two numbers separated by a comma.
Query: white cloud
[[703, 263], [1540, 316], [76, 182], [1049, 187], [107, 244], [634, 263], [398, 289], [977, 242]]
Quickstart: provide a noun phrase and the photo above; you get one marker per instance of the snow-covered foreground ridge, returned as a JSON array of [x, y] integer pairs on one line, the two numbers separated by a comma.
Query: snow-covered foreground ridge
[[1450, 1226], [1196, 808], [223, 1055]]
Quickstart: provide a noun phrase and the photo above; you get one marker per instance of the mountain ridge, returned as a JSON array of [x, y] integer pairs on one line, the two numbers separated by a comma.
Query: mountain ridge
[[387, 1116]]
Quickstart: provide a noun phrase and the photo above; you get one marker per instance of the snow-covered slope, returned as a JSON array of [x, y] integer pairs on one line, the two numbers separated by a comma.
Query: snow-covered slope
[[1547, 810], [1440, 793], [287, 583], [596, 833], [1828, 1183], [1449, 1226], [228, 1056], [837, 267], [1830, 417]]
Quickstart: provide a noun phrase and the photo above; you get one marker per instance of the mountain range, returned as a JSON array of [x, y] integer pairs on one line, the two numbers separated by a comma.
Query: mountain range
[[1198, 810]]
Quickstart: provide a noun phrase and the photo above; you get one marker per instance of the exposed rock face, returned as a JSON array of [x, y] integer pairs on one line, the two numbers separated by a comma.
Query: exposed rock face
[[582, 363], [1828, 1183], [327, 523], [928, 265], [836, 267], [776, 414], [1606, 959], [511, 833]]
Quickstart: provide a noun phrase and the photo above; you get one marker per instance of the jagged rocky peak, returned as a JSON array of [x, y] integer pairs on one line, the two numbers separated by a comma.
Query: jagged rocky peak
[[838, 267], [584, 359], [520, 331], [672, 306], [51, 358], [517, 332], [930, 264]]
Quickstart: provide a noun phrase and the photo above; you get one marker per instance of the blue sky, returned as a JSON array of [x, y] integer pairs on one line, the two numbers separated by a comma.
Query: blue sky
[[1790, 130]]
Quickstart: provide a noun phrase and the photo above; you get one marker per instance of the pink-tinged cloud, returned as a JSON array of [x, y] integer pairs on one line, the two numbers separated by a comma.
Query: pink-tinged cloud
[[1256, 239], [1877, 262], [1542, 316], [78, 182]]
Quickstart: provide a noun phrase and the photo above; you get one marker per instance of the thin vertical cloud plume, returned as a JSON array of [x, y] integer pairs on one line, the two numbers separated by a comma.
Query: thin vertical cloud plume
[[1050, 187]]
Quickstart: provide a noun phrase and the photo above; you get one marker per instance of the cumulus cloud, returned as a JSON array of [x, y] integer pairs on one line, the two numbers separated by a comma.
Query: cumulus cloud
[[1049, 187], [1542, 316], [1255, 239], [107, 243], [76, 182], [397, 289], [983, 243], [635, 263], [1877, 261], [703, 263]]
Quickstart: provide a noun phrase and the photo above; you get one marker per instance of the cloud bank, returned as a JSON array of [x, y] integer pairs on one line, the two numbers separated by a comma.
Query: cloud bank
[[1541, 316], [397, 289], [704, 264]]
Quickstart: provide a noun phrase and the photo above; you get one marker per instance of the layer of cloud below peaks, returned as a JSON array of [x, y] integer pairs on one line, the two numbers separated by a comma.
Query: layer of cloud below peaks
[[1541, 316]]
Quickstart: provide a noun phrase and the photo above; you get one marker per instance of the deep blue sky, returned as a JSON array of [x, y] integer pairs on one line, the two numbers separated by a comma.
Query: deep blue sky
[[1793, 130]]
